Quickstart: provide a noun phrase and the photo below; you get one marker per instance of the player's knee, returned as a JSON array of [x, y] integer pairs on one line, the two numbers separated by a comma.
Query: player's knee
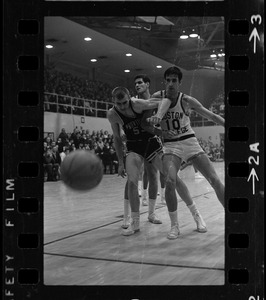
[[132, 182], [170, 181]]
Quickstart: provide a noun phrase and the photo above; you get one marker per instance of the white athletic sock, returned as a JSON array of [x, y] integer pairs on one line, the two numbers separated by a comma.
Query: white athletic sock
[[135, 215], [173, 217], [152, 203], [140, 185], [145, 193], [193, 209], [126, 208]]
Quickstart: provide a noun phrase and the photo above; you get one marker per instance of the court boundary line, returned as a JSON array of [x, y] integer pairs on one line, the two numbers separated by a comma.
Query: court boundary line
[[110, 223], [134, 262]]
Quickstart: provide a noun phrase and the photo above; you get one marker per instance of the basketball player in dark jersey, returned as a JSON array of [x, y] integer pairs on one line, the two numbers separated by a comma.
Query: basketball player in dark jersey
[[173, 115], [142, 87], [128, 113], [142, 83]]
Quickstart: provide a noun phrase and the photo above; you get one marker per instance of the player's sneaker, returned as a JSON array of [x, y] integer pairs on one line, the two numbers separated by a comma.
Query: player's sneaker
[[132, 228], [174, 233], [126, 222], [154, 219], [201, 225], [199, 176], [144, 194]]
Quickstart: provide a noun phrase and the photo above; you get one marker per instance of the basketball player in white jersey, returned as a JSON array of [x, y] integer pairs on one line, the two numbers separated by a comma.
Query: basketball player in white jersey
[[173, 114]]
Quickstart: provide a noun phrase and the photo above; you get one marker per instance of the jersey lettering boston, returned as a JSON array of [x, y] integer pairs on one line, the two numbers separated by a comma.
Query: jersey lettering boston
[[173, 115]]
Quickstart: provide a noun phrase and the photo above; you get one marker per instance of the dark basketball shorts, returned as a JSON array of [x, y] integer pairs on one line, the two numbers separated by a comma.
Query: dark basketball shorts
[[147, 149]]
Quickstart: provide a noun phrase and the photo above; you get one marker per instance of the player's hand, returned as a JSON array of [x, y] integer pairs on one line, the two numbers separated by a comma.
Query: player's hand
[[154, 120], [168, 134], [121, 171]]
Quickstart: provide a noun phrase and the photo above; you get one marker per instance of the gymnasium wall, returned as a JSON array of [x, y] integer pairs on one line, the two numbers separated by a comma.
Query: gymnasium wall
[[203, 84], [210, 131], [54, 122]]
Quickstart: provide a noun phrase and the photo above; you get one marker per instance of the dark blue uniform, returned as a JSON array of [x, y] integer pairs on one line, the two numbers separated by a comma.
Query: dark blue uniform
[[138, 140]]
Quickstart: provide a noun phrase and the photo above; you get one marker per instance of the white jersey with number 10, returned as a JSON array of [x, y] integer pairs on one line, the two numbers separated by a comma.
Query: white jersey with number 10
[[177, 119]]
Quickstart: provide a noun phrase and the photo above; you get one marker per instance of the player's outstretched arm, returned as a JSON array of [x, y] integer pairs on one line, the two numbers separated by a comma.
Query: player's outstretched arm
[[200, 109], [163, 106], [141, 104], [147, 126]]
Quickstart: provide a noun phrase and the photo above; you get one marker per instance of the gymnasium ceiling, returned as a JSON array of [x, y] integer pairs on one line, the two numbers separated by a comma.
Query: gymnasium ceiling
[[151, 40]]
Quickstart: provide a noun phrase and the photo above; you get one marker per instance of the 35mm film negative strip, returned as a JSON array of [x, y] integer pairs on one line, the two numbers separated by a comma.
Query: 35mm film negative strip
[[62, 60]]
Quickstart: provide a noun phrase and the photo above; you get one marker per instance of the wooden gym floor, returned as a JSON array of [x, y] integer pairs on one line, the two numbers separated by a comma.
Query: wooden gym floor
[[83, 244]]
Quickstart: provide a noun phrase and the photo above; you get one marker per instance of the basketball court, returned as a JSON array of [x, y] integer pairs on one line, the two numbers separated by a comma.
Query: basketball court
[[83, 244]]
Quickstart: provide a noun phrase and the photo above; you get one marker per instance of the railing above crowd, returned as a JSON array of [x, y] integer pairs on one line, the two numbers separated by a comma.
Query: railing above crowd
[[94, 108], [76, 106]]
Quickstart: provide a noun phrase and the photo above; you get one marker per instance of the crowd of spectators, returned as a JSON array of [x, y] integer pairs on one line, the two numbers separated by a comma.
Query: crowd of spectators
[[99, 142], [102, 144], [214, 151], [69, 85], [66, 93]]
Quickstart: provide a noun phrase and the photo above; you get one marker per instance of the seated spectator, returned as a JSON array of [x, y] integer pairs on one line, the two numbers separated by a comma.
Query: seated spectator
[[57, 163], [88, 109], [87, 147], [114, 161], [217, 154], [106, 157], [64, 153], [48, 141], [50, 166], [64, 105], [100, 143], [60, 145], [63, 136], [45, 146]]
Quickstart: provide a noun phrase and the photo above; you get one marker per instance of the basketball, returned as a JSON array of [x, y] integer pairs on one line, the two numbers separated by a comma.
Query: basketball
[[81, 170]]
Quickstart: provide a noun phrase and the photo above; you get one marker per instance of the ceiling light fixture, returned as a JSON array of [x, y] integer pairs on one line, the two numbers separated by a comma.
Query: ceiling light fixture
[[93, 60], [87, 39], [49, 46], [213, 55], [193, 34], [126, 71], [158, 67], [128, 54], [183, 36]]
